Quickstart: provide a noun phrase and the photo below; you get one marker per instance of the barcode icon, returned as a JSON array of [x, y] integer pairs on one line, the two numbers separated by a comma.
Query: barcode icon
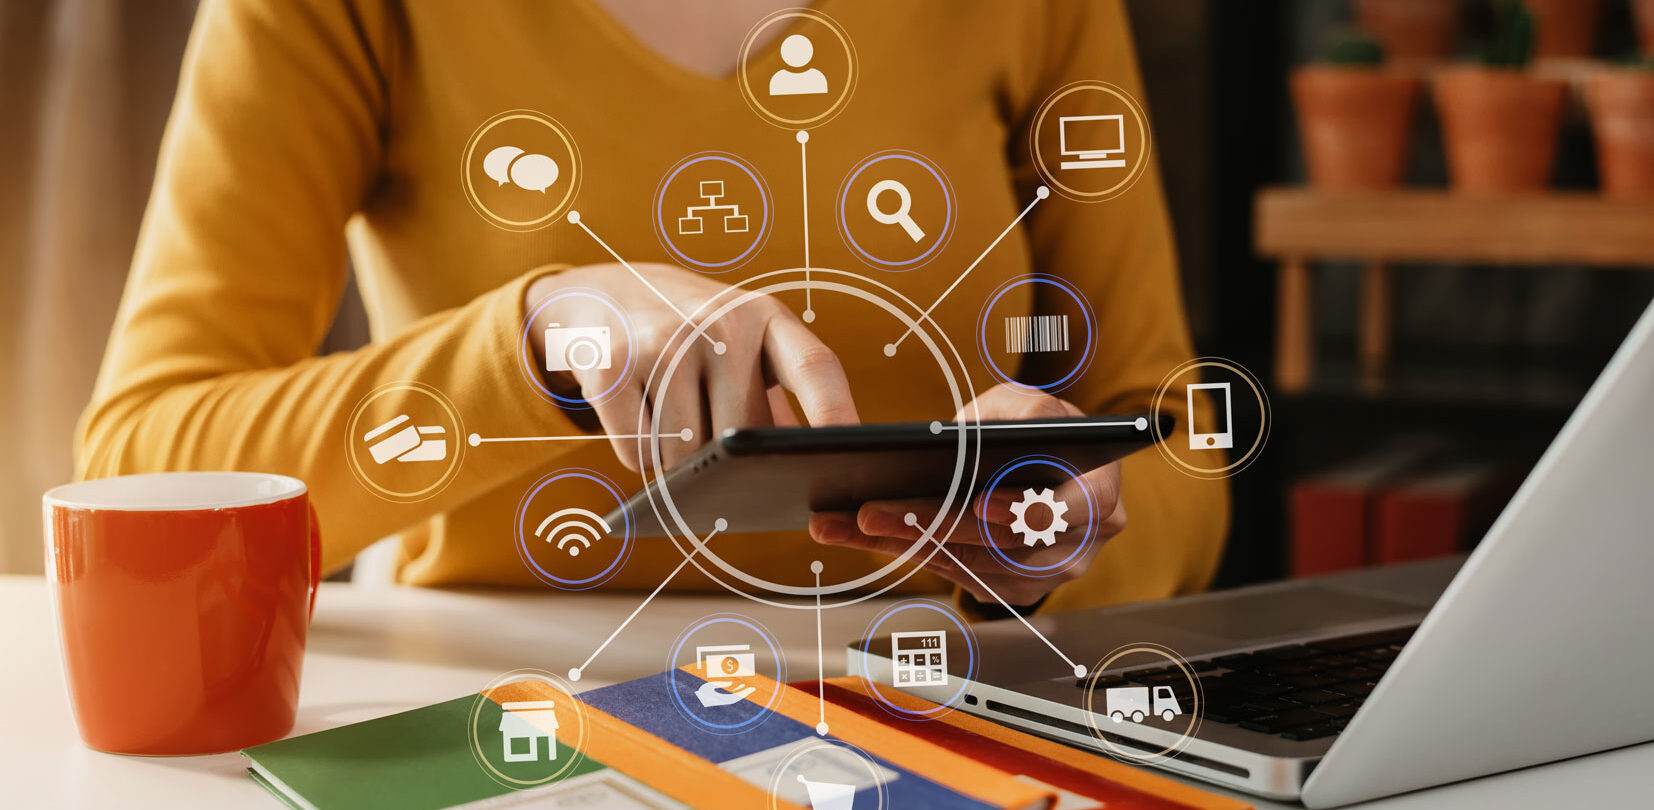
[[1036, 333]]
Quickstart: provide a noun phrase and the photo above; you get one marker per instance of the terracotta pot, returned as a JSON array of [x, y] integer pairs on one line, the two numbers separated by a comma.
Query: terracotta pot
[[1500, 128], [1621, 103], [1564, 27], [1410, 29], [1356, 124], [1643, 11]]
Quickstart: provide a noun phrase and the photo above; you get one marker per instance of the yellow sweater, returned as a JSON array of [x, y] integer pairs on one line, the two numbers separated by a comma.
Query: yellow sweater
[[302, 127]]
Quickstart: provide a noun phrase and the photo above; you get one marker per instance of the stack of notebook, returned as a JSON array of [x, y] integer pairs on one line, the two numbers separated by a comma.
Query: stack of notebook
[[637, 751]]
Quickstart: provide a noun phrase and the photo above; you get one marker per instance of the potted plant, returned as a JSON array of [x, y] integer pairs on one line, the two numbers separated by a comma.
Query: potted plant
[[1354, 117], [1567, 28], [1643, 12], [1621, 104], [1499, 121], [1410, 29]]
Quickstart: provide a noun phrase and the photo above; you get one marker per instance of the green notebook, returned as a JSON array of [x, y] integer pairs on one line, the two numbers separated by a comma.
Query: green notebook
[[422, 760]]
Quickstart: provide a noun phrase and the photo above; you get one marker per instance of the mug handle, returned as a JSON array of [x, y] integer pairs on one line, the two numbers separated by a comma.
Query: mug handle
[[315, 555]]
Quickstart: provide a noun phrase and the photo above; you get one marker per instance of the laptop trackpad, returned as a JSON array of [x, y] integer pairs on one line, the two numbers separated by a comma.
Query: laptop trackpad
[[1273, 613]]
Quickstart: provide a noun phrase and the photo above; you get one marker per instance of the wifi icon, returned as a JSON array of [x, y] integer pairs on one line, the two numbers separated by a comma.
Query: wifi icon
[[573, 529]]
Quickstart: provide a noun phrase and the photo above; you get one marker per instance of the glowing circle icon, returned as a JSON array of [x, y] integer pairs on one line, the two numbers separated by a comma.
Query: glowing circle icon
[[402, 441], [1090, 141], [1176, 707], [725, 673], [802, 80], [571, 530], [1221, 415], [520, 170], [1036, 351], [896, 210], [600, 340], [713, 212]]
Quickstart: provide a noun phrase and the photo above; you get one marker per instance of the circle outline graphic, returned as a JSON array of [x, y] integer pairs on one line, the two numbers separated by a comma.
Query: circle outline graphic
[[1086, 313], [1258, 442], [1090, 539], [974, 659], [556, 683], [770, 640], [758, 241], [575, 172], [626, 540], [852, 74], [456, 444], [1145, 133], [800, 751], [948, 196], [819, 280], [529, 366], [1191, 725]]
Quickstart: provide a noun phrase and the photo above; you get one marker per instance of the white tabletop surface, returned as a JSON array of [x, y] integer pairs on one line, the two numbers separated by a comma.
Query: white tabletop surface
[[416, 647]]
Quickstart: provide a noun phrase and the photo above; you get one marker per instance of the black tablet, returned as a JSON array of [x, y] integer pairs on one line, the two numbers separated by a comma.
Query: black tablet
[[772, 479]]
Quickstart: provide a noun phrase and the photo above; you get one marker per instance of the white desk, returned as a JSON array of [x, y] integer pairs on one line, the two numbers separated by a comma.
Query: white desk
[[418, 647]]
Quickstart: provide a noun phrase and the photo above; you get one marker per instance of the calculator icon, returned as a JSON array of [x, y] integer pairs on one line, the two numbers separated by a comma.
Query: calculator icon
[[921, 658]]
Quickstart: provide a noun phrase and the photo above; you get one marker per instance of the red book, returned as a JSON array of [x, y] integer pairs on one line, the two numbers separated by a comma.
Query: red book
[[1436, 513], [1330, 515]]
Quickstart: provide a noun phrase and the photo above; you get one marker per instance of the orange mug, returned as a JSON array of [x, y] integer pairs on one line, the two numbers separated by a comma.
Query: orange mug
[[182, 602]]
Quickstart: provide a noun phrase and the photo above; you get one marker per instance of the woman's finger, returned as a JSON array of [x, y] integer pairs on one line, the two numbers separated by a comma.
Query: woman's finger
[[736, 394], [889, 519], [682, 406], [797, 359], [621, 415]]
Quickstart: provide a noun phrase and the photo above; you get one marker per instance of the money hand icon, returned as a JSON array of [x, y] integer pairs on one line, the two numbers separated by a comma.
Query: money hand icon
[[714, 693]]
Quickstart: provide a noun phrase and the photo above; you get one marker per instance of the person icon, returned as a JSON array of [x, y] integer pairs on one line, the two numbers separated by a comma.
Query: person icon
[[796, 51]]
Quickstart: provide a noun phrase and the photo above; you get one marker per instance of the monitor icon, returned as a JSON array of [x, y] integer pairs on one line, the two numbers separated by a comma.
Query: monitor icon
[[1091, 139], [1223, 437]]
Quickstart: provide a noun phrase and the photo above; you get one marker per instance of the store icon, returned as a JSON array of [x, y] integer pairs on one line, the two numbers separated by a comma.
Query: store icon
[[523, 725]]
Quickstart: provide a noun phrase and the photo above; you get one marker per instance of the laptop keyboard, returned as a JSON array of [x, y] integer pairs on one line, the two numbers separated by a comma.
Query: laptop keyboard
[[1296, 691]]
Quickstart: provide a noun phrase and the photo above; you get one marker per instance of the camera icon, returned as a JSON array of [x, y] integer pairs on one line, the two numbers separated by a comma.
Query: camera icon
[[577, 348]]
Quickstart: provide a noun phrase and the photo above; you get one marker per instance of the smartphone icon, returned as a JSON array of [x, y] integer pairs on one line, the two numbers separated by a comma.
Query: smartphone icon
[[1223, 437]]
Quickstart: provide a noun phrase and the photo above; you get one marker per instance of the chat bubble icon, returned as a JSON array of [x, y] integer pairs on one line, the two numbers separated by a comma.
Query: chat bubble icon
[[534, 172], [497, 165]]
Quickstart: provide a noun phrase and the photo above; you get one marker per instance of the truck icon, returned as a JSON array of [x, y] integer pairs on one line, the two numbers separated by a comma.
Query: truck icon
[[1133, 701]]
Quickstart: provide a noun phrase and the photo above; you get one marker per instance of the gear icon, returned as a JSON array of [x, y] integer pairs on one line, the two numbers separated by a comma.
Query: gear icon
[[1031, 535]]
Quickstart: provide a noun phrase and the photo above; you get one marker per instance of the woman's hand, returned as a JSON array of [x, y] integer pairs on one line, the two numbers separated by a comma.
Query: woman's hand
[[882, 526], [764, 346]]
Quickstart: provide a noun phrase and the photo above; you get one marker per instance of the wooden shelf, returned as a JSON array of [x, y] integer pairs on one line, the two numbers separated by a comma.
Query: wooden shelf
[[1440, 226], [1297, 226]]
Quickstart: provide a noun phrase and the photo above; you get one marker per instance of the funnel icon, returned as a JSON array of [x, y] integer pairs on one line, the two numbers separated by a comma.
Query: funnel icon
[[829, 795]]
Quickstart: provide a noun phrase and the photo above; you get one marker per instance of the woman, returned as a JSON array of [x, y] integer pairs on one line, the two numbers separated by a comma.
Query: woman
[[304, 127]]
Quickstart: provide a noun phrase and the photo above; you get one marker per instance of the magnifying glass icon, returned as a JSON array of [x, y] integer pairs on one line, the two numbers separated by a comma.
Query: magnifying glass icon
[[898, 217]]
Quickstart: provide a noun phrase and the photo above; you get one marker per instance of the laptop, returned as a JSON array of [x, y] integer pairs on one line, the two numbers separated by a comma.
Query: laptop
[[1352, 686]]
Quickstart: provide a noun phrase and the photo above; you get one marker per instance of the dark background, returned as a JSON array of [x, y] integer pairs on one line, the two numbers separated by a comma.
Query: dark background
[[1492, 357]]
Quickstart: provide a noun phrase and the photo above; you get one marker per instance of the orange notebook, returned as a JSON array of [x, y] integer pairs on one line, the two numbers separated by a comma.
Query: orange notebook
[[1080, 780]]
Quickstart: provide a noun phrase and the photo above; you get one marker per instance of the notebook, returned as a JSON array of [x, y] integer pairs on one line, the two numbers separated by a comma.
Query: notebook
[[640, 752]]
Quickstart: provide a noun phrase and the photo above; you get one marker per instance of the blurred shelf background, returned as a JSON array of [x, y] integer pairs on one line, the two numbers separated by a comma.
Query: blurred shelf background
[[1386, 317]]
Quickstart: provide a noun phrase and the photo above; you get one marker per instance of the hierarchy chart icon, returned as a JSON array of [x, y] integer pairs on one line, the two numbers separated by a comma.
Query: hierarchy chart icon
[[897, 212]]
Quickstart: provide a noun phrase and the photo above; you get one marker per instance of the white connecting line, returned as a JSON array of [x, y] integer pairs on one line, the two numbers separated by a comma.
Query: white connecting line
[[912, 519], [686, 434], [574, 217], [804, 176], [1042, 193], [1141, 423], [821, 682], [717, 526]]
